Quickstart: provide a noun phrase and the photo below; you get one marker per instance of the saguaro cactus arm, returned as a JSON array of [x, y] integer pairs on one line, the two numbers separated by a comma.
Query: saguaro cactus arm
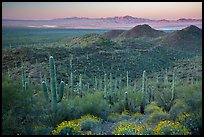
[[61, 91], [45, 91]]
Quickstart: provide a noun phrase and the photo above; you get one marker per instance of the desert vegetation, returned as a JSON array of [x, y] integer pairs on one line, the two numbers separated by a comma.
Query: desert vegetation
[[96, 84]]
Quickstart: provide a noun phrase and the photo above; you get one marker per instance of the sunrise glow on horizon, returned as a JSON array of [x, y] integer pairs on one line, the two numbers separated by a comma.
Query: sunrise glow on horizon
[[52, 10]]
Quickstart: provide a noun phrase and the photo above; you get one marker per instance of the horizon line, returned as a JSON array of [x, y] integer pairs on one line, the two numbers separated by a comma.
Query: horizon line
[[106, 17]]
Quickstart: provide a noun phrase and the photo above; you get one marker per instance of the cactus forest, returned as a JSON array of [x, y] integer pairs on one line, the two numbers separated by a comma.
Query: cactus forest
[[99, 84]]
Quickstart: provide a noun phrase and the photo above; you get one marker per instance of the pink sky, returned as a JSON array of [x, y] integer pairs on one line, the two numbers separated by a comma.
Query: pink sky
[[51, 10]]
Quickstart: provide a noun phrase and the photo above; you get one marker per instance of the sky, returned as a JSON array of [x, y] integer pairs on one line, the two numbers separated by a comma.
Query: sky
[[52, 10]]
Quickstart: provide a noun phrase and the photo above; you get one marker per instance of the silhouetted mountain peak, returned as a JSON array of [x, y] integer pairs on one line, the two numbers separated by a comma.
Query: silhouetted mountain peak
[[191, 28], [144, 31], [143, 27]]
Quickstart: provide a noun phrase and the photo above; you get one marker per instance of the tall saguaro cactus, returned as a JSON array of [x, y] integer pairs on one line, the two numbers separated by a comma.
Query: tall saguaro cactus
[[71, 75], [120, 84], [96, 83], [54, 100], [105, 87], [80, 85], [165, 79], [173, 87], [144, 92], [23, 76], [111, 89], [127, 81], [71, 83], [126, 101]]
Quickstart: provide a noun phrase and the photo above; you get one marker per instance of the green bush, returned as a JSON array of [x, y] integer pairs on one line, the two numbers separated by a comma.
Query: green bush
[[152, 108], [113, 117], [191, 95], [178, 108], [124, 128], [118, 106], [93, 103], [157, 116], [89, 124], [192, 121], [138, 116], [170, 128], [189, 99], [16, 108]]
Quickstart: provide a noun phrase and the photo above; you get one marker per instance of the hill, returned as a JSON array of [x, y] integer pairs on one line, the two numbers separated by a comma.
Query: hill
[[189, 38], [141, 31]]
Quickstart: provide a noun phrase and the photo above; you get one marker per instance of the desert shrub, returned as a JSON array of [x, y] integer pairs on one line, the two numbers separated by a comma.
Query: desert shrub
[[72, 105], [191, 95], [125, 115], [71, 127], [143, 129], [152, 108], [42, 130], [134, 99], [170, 128], [16, 108], [131, 128], [75, 127], [157, 116], [124, 128], [138, 116], [189, 100], [90, 104], [90, 122], [95, 104], [113, 117], [192, 121], [10, 124], [118, 106], [178, 108]]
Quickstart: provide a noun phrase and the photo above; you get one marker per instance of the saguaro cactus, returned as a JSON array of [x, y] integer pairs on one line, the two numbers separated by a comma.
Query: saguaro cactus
[[115, 88], [120, 84], [165, 80], [105, 87], [80, 85], [111, 90], [173, 87], [23, 76], [100, 84], [127, 81], [45, 91], [8, 72], [71, 75], [54, 99], [144, 92], [71, 83], [96, 83], [126, 101]]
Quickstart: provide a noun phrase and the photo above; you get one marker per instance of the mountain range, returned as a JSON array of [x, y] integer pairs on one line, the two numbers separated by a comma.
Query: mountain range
[[186, 39], [139, 48], [124, 22]]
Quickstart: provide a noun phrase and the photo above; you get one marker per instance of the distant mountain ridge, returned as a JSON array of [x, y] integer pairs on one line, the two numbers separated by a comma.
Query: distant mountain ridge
[[108, 22], [116, 18], [142, 31], [187, 38]]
